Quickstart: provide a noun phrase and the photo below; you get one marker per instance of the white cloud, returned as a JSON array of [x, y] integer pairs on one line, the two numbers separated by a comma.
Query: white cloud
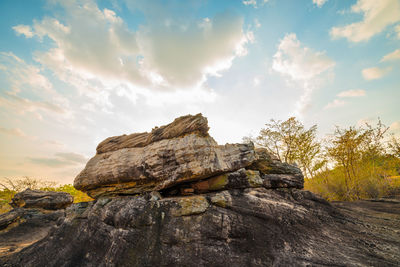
[[397, 30], [335, 103], [254, 3], [352, 93], [13, 131], [375, 73], [256, 81], [395, 55], [97, 44], [20, 74], [23, 30], [25, 79], [377, 15], [301, 64], [250, 3], [319, 3]]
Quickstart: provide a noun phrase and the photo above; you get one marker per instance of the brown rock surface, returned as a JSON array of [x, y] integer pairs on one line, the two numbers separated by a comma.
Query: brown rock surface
[[162, 163]]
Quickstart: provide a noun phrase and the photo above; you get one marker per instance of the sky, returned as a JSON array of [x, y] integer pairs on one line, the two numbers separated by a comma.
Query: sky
[[73, 73]]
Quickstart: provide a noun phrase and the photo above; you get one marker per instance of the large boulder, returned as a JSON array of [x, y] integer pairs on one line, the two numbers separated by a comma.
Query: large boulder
[[186, 154], [41, 199]]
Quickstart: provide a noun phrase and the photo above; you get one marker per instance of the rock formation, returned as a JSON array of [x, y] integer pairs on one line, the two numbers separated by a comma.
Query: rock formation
[[173, 197], [173, 154], [34, 213], [41, 199]]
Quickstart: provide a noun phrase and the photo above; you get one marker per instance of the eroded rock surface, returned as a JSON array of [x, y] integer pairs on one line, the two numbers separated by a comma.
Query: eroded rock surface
[[238, 227], [20, 228], [179, 127], [183, 156], [41, 199]]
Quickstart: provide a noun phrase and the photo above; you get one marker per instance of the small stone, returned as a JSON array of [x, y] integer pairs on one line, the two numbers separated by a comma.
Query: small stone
[[189, 205], [221, 199]]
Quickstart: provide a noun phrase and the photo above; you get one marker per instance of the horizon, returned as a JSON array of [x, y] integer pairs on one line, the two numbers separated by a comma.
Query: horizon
[[74, 73]]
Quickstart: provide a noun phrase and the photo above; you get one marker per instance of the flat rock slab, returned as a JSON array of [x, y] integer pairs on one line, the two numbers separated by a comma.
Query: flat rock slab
[[160, 165], [41, 199]]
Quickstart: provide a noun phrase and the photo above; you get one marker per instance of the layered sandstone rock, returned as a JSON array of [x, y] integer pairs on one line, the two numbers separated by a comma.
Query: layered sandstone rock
[[41, 199], [187, 153], [179, 127]]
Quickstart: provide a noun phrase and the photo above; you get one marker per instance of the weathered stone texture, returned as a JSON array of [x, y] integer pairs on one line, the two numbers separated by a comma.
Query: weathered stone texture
[[179, 127], [41, 199], [239, 227], [161, 165]]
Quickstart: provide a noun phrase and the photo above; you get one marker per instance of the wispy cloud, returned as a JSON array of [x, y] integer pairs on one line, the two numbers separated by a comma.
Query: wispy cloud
[[335, 103], [377, 16], [12, 131], [254, 3], [23, 30], [319, 3], [397, 30], [375, 73], [22, 105], [352, 93], [59, 160], [395, 55], [28, 90], [301, 64], [20, 74]]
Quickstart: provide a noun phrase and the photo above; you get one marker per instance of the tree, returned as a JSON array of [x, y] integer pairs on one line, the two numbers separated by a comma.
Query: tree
[[345, 149], [394, 146], [291, 142], [360, 160], [19, 184]]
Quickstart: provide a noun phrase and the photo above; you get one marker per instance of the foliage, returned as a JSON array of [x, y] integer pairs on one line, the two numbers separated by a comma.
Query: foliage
[[291, 142], [394, 146], [374, 179], [79, 196], [352, 163], [9, 187]]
